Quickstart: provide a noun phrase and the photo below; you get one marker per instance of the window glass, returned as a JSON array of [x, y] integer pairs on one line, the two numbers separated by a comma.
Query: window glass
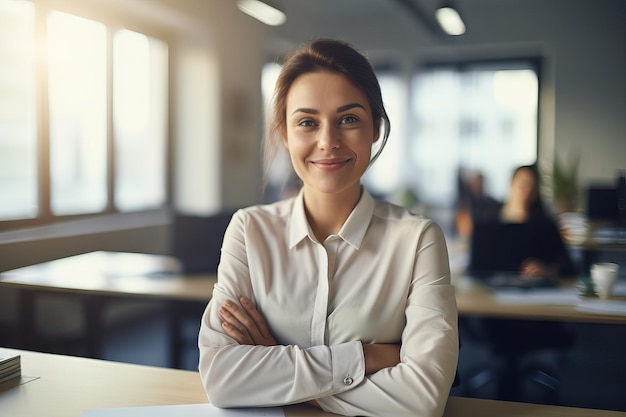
[[475, 119], [139, 120], [77, 51], [18, 152]]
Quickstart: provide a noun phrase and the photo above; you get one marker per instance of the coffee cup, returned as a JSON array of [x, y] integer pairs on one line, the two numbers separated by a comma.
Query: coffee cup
[[603, 276]]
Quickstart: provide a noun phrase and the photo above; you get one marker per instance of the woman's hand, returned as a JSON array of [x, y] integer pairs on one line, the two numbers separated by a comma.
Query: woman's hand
[[534, 268], [246, 325]]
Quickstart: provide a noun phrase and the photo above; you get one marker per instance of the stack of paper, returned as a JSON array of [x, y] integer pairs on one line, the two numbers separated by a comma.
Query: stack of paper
[[10, 366]]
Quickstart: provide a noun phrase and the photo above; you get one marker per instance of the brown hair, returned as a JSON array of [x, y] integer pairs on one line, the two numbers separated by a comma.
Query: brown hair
[[329, 55], [536, 211]]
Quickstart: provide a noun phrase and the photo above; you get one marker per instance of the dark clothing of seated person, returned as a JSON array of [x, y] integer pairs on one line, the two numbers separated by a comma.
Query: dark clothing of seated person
[[523, 237], [531, 252]]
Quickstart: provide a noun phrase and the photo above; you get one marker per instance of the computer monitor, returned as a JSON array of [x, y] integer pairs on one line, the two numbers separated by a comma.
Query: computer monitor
[[602, 203]]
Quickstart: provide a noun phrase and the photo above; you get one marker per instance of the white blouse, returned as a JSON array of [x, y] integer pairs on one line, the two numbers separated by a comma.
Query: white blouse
[[384, 278]]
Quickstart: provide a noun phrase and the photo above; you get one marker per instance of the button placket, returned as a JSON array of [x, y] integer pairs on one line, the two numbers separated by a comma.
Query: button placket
[[318, 326]]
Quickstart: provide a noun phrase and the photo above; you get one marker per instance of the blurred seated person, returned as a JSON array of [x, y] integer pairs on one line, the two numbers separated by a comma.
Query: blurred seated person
[[524, 205], [540, 252], [474, 204]]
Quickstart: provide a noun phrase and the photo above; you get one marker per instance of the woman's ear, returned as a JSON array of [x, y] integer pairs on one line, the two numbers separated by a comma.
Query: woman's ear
[[283, 136], [377, 130]]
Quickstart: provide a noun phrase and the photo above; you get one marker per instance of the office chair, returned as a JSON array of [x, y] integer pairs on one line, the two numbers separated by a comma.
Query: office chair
[[197, 240], [515, 345]]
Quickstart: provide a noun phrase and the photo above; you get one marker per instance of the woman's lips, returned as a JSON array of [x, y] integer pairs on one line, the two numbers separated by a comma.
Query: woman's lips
[[330, 164]]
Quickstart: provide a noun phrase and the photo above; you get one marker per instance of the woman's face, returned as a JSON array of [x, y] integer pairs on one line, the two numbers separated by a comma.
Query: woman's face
[[524, 187], [329, 132]]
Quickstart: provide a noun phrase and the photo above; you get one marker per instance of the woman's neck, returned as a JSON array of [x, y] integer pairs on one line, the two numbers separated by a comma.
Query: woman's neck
[[327, 213]]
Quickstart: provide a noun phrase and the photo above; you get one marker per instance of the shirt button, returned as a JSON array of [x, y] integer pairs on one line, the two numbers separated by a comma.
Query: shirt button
[[348, 381]]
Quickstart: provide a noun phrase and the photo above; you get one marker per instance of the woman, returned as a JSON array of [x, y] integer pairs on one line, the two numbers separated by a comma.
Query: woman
[[524, 205], [545, 257], [331, 297]]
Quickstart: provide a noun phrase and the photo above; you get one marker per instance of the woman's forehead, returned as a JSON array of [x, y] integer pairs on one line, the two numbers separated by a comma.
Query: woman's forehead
[[315, 89]]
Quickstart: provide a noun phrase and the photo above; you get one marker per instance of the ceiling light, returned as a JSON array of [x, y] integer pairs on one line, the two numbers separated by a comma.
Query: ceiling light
[[450, 20], [262, 12]]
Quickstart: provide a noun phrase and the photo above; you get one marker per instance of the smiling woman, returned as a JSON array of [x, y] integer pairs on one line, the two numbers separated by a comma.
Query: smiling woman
[[331, 297], [329, 134]]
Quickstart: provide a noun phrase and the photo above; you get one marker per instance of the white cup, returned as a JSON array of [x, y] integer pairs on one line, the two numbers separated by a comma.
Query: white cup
[[604, 275]]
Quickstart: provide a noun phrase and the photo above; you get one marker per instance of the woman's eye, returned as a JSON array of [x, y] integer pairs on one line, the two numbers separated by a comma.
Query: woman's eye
[[306, 123], [348, 120]]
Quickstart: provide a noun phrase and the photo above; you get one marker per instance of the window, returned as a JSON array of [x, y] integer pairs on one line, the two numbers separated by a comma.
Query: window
[[140, 125], [90, 139], [454, 120], [18, 136], [473, 117], [77, 81]]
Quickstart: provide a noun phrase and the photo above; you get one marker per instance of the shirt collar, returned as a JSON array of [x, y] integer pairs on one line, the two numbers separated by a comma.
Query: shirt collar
[[352, 231]]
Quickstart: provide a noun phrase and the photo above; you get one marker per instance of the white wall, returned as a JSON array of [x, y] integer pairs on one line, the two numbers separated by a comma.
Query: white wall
[[217, 109]]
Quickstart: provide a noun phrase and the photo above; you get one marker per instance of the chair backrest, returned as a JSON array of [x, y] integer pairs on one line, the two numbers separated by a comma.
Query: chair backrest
[[197, 240]]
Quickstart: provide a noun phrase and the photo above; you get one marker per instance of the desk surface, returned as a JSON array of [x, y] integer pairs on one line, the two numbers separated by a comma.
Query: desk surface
[[477, 300], [65, 386], [113, 273], [156, 276]]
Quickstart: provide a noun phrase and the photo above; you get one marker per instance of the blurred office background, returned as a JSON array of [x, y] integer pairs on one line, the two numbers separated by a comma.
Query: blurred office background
[[118, 115]]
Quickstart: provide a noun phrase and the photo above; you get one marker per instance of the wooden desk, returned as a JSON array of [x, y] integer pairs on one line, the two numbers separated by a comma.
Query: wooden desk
[[113, 273], [65, 386], [474, 299], [98, 277], [477, 300]]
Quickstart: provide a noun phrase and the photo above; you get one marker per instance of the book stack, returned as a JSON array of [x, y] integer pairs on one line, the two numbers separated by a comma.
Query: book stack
[[10, 366]]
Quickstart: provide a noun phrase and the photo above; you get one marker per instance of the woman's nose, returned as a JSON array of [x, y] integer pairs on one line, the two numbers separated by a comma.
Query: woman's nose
[[328, 139]]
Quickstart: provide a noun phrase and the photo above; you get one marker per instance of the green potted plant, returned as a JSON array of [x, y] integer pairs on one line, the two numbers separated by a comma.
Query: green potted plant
[[565, 184]]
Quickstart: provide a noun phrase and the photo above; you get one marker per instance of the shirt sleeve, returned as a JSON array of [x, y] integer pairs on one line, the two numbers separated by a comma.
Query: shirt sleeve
[[420, 384], [236, 375]]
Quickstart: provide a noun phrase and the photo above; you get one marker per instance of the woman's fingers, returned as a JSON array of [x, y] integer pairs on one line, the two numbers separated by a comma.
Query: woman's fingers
[[264, 335], [234, 328], [248, 325]]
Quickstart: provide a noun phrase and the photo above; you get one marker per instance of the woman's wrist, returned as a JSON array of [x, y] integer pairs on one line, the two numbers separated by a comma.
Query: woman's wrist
[[380, 356]]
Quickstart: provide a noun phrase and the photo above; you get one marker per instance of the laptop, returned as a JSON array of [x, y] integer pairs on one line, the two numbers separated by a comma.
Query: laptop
[[498, 249]]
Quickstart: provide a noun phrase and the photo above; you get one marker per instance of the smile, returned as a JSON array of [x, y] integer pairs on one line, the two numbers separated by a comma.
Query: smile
[[330, 164]]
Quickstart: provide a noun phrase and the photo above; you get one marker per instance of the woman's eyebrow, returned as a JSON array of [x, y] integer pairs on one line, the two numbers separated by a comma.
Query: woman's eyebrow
[[340, 109], [349, 106], [304, 110]]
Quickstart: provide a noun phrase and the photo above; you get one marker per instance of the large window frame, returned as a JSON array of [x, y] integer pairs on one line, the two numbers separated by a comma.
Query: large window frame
[[114, 21]]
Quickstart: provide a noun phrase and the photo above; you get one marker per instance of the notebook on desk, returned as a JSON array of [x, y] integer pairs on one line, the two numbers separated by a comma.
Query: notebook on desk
[[497, 250]]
